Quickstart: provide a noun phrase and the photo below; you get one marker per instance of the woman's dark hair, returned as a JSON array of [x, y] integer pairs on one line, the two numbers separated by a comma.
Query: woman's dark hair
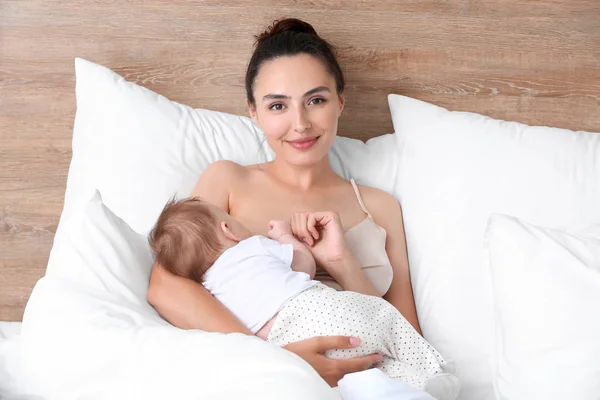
[[289, 37]]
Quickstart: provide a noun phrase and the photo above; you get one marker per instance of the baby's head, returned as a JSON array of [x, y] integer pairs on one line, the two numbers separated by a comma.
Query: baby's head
[[190, 235]]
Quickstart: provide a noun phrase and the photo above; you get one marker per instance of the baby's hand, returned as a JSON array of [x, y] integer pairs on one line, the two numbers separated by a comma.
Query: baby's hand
[[278, 229]]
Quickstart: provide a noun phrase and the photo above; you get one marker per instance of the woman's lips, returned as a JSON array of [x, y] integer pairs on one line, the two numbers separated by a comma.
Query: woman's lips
[[304, 143]]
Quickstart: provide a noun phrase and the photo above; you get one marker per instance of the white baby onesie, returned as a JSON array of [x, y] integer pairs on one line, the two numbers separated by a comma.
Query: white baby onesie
[[254, 280]]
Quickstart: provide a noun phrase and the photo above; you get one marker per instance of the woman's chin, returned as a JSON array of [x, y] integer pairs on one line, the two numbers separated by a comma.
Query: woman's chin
[[307, 159]]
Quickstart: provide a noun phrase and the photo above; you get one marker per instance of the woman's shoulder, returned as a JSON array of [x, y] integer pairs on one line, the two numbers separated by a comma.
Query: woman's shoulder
[[224, 168], [229, 169], [380, 203], [224, 174], [373, 195], [216, 181]]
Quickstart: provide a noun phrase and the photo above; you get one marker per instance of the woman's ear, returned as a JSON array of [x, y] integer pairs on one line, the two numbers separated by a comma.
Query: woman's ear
[[252, 110], [229, 233], [342, 103]]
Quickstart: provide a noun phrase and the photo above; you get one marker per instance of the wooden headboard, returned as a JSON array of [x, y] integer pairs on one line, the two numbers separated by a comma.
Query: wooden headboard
[[536, 62]]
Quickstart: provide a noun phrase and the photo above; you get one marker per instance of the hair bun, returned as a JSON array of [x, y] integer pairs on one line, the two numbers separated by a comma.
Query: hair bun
[[286, 25]]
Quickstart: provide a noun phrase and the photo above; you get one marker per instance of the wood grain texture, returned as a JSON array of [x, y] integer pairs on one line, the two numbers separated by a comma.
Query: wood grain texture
[[536, 61]]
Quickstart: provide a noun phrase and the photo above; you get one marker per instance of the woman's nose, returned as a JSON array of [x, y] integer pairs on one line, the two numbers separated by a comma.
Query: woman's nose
[[301, 123]]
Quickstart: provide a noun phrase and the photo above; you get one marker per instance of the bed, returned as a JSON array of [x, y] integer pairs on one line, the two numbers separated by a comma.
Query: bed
[[532, 62]]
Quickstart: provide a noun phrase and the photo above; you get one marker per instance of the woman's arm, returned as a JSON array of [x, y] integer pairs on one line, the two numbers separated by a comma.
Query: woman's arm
[[186, 303], [348, 273], [388, 214], [324, 234]]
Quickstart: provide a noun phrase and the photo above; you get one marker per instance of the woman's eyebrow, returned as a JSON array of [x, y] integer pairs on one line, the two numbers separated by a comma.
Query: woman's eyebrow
[[272, 96], [317, 90], [275, 96]]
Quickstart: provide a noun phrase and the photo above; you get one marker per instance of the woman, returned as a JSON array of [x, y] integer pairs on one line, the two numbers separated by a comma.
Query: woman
[[294, 88]]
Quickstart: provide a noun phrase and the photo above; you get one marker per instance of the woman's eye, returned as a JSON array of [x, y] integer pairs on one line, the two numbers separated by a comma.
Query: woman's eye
[[317, 100], [276, 107]]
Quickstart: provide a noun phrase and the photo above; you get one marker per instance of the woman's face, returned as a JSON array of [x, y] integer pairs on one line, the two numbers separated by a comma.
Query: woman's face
[[297, 107]]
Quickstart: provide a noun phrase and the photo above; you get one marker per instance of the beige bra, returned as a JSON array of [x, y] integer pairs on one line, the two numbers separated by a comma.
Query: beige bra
[[366, 241]]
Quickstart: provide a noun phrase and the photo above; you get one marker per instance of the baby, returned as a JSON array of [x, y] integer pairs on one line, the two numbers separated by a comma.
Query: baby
[[268, 284]]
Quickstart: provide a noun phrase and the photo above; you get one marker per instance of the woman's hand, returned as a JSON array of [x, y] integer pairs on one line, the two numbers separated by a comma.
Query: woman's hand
[[331, 370], [322, 231]]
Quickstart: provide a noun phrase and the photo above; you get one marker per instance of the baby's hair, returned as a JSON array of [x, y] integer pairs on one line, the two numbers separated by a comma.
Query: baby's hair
[[185, 239]]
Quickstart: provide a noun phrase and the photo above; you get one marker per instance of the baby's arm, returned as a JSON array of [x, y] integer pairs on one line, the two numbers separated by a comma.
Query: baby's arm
[[303, 260]]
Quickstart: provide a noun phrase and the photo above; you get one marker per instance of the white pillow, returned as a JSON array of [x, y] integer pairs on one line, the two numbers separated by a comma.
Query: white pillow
[[455, 169], [139, 148], [89, 333], [547, 302]]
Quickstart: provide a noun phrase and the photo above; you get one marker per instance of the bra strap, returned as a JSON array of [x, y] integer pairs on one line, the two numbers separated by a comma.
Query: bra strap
[[360, 201]]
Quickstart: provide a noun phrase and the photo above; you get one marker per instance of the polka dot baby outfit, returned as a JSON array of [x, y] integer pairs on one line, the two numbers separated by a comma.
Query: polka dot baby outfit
[[323, 311]]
